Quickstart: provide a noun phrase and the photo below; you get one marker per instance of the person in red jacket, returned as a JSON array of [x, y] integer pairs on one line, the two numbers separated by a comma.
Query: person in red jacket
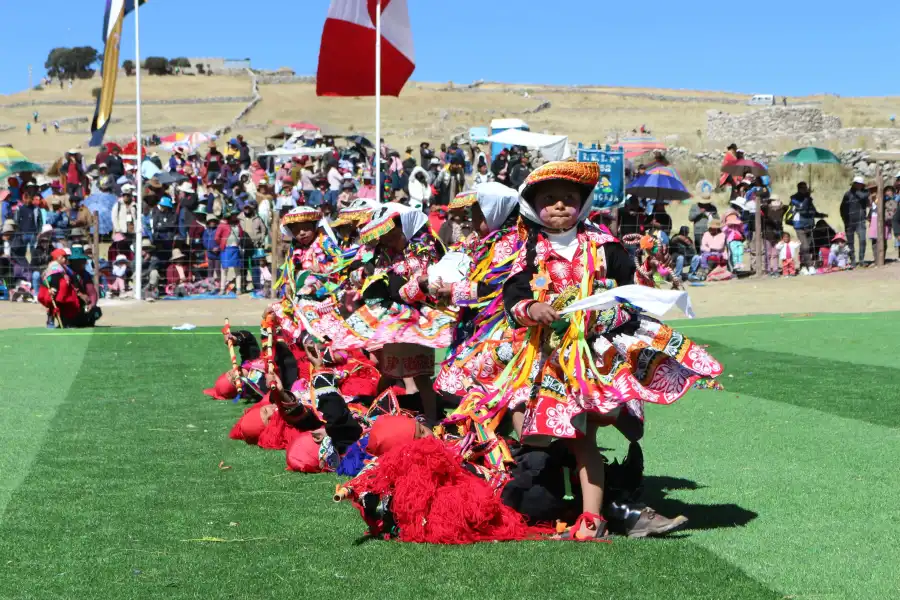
[[58, 293], [229, 238]]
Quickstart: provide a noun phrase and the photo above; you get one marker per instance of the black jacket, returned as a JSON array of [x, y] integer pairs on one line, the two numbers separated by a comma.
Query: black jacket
[[854, 206]]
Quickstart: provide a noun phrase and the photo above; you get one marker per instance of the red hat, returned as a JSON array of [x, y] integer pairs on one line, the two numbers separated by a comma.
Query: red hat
[[250, 426], [389, 432], [223, 390], [58, 253], [303, 454]]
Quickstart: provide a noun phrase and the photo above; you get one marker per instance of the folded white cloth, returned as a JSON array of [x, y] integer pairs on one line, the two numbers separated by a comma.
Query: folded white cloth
[[658, 302]]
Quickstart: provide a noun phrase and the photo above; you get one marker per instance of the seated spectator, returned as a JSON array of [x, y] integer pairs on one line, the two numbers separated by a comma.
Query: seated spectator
[[839, 254], [150, 270], [681, 249], [712, 245], [117, 283]]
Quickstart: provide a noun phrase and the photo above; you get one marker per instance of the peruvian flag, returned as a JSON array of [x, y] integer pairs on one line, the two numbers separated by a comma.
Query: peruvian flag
[[347, 55]]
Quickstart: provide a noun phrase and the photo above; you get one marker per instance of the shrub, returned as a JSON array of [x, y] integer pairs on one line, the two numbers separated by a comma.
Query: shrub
[[128, 65]]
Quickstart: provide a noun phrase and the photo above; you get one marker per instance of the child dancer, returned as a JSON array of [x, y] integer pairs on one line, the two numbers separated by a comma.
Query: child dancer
[[564, 377]]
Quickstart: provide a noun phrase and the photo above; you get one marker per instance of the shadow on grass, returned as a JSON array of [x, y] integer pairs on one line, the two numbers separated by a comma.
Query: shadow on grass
[[700, 516]]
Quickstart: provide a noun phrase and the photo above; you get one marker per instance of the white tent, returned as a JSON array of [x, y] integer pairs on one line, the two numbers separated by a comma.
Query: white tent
[[552, 147]]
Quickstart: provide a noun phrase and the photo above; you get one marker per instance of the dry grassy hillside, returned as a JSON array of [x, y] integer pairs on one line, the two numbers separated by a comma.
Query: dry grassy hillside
[[425, 111]]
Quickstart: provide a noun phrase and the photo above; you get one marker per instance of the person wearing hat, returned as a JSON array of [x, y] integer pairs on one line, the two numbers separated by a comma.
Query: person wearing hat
[[449, 182], [230, 239], [713, 244], [195, 232], [164, 226], [119, 275], [151, 268], [114, 164], [57, 292], [176, 161], [12, 252], [83, 281], [559, 248], [187, 204], [211, 247], [124, 212], [853, 210], [57, 218]]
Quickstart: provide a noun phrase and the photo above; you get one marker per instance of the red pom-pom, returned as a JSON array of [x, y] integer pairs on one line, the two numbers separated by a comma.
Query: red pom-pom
[[435, 500]]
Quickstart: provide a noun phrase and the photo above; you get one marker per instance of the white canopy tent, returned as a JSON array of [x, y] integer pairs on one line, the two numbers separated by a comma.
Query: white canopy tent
[[552, 147]]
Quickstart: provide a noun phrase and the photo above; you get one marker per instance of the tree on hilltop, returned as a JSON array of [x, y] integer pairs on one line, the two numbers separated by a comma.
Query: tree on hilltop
[[69, 63], [157, 65], [128, 65]]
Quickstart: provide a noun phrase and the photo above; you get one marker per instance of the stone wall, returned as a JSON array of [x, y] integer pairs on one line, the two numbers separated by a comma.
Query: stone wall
[[771, 122]]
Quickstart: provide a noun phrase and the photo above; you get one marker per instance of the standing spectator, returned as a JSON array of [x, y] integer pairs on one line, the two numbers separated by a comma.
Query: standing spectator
[[483, 175], [229, 237], [212, 246], [150, 270], [519, 172], [805, 215], [631, 218], [29, 219], [419, 189], [434, 170], [500, 167], [700, 215], [244, 157], [449, 183], [187, 204], [164, 224], [772, 215], [7, 205], [425, 153], [335, 181], [115, 166], [232, 150], [176, 161], [74, 173], [255, 235], [285, 201], [854, 206], [213, 162], [124, 212]]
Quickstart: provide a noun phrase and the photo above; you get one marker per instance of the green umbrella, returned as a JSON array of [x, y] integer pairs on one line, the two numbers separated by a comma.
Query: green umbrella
[[809, 156], [22, 166]]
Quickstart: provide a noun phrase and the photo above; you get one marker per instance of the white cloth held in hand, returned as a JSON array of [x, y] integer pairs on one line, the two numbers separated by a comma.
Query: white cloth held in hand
[[652, 300]]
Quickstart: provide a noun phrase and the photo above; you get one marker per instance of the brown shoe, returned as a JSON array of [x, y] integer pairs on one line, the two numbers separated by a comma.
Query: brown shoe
[[649, 523]]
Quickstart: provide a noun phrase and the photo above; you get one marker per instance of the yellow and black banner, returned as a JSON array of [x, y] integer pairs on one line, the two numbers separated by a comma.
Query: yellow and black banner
[[112, 34]]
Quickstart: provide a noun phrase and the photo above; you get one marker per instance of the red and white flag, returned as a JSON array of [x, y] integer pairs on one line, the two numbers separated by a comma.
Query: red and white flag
[[347, 54]]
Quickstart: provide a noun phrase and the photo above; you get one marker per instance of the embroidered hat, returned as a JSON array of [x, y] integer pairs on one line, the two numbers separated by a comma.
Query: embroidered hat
[[584, 174], [301, 214], [463, 200]]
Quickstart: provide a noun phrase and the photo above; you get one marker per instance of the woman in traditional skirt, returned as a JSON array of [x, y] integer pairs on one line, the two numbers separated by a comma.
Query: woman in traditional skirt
[[398, 317], [492, 246], [563, 377]]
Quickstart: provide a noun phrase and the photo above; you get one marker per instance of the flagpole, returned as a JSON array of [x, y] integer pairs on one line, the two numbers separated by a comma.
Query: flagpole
[[139, 226], [377, 165]]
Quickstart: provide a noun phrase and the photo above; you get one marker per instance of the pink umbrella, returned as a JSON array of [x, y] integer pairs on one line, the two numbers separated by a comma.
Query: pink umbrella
[[741, 167]]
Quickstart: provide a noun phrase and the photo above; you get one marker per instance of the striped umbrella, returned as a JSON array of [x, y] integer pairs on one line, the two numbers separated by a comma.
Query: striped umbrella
[[9, 155]]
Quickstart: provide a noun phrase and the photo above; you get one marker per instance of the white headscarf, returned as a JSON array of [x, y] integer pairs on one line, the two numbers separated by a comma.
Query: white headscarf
[[497, 202], [529, 213]]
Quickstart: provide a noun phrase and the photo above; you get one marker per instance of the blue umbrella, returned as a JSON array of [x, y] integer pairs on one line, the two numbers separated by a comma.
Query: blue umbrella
[[658, 187], [102, 204]]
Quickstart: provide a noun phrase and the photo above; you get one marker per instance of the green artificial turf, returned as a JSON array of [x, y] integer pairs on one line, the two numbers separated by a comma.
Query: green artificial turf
[[115, 487]]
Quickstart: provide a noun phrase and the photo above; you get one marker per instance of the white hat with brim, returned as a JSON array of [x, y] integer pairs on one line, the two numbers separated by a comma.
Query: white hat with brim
[[123, 258], [46, 229], [187, 188], [858, 179]]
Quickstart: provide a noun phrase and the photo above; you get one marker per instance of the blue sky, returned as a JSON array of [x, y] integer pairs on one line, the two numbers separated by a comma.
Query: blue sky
[[792, 47]]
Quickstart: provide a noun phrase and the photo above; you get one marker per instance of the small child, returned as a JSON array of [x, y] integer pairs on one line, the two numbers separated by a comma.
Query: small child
[[734, 236], [839, 256], [119, 275], [788, 254]]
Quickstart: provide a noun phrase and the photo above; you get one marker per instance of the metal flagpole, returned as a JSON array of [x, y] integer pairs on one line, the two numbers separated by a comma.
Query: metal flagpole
[[377, 165], [139, 226]]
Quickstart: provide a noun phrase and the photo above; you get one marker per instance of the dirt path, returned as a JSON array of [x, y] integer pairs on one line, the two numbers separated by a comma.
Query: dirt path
[[868, 290]]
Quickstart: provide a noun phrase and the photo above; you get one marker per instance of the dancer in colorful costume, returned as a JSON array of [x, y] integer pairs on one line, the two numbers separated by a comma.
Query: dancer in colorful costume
[[564, 376], [492, 247], [398, 318]]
